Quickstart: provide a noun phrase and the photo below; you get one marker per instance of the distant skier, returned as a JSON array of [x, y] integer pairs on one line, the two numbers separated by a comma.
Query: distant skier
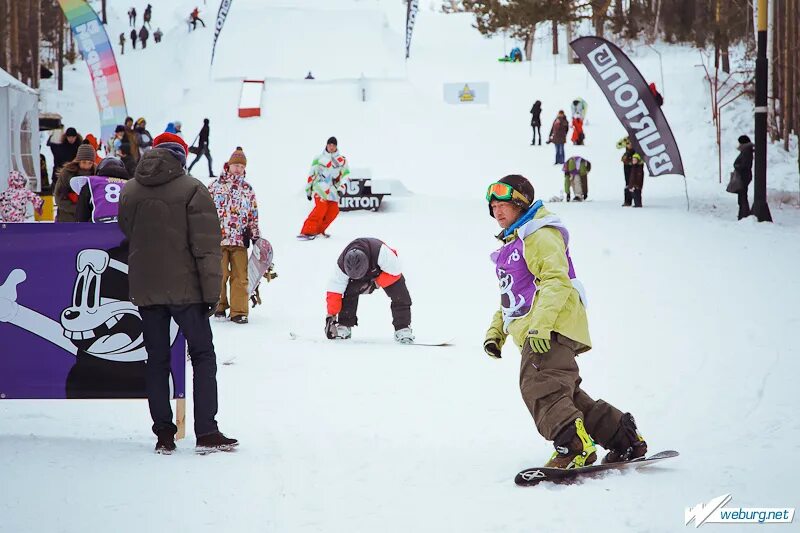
[[237, 209], [132, 17], [158, 35], [327, 180], [122, 44], [536, 121], [576, 176], [558, 136], [143, 36], [148, 13], [656, 94], [134, 36], [195, 18], [203, 149], [542, 309], [365, 265]]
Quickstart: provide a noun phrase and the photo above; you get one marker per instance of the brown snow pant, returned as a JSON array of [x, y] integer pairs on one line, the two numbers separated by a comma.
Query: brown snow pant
[[234, 268], [550, 384]]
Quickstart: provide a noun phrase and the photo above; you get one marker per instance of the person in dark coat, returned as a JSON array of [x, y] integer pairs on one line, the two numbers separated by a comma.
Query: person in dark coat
[[536, 121], [64, 197], [174, 272], [202, 149], [122, 44], [744, 166], [558, 135], [65, 150], [132, 16], [110, 167], [127, 159], [143, 35], [134, 36], [148, 13]]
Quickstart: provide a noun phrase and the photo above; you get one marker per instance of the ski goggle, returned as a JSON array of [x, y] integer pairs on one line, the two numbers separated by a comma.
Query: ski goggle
[[504, 192]]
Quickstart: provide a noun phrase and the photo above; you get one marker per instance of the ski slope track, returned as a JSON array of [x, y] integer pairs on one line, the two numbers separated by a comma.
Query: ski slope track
[[693, 315]]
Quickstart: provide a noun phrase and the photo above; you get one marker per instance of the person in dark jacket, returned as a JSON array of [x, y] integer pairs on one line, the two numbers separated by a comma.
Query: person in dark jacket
[[132, 16], [202, 148], [558, 136], [64, 197], [364, 265], [122, 44], [744, 165], [143, 36], [134, 36], [174, 272], [127, 159], [536, 121], [148, 13], [65, 150], [635, 180], [110, 167]]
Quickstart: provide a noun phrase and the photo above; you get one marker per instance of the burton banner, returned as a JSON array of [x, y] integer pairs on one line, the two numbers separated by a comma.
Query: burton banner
[[411, 17], [634, 104], [67, 329], [222, 14], [96, 50]]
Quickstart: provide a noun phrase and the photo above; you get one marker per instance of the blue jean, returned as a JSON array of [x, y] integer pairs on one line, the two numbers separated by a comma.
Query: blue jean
[[559, 153]]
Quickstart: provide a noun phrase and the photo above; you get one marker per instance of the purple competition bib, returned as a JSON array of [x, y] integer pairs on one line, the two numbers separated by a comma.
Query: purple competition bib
[[105, 194]]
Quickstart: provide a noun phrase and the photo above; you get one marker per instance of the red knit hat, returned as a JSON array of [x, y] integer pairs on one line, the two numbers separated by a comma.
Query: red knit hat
[[170, 138]]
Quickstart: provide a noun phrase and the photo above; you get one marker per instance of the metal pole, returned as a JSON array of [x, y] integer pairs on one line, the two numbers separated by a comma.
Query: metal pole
[[760, 207]]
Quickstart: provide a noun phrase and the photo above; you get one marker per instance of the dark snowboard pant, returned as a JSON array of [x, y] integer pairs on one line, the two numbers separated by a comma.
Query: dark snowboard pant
[[550, 385], [536, 128], [397, 292], [744, 203], [194, 325], [203, 152]]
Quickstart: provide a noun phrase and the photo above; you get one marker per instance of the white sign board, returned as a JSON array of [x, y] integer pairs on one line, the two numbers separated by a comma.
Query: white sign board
[[467, 93]]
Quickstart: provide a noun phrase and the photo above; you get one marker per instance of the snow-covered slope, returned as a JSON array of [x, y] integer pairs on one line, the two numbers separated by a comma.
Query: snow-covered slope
[[692, 316]]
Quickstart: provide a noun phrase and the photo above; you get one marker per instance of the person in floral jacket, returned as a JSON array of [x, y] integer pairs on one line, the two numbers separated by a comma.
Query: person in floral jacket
[[238, 216], [14, 200], [326, 181]]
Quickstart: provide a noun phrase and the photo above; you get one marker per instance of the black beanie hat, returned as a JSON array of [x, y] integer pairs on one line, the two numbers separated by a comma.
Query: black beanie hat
[[332, 140], [71, 132], [744, 139]]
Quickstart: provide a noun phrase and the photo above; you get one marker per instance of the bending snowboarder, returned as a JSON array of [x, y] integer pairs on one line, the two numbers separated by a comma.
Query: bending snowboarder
[[542, 308], [365, 265]]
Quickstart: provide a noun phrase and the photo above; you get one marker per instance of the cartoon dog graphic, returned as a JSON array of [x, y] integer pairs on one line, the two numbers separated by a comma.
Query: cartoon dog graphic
[[100, 327]]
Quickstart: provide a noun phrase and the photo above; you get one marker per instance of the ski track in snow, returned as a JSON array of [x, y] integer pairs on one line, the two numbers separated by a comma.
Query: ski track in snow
[[686, 309]]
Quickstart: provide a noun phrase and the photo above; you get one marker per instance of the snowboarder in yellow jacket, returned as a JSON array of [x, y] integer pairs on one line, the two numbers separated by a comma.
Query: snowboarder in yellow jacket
[[542, 308]]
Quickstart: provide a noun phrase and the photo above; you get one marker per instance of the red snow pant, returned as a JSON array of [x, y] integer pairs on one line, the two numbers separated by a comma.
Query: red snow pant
[[324, 212]]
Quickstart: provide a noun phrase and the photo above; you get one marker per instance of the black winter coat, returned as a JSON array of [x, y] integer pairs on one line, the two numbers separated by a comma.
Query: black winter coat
[[744, 162], [536, 115]]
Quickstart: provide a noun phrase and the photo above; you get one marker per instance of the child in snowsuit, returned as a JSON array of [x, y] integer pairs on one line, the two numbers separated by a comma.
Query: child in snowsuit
[[14, 200], [365, 265], [238, 216], [326, 181], [576, 176], [542, 309]]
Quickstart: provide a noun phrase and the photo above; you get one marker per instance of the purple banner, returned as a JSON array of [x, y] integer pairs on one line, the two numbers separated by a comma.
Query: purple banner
[[67, 329], [635, 106]]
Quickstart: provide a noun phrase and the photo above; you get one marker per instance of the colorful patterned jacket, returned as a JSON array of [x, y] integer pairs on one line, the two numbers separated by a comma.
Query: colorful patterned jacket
[[328, 176], [14, 200], [236, 207]]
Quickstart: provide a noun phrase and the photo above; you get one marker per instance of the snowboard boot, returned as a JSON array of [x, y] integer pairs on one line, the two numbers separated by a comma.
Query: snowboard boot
[[568, 197], [404, 336], [342, 332], [574, 448], [627, 443], [628, 198], [304, 237], [239, 319], [215, 442], [166, 443], [221, 315]]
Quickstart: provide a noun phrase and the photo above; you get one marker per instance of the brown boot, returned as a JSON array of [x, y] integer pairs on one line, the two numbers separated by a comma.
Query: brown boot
[[626, 444], [574, 448]]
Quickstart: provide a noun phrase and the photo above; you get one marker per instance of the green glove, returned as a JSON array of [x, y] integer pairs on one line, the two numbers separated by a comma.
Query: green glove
[[539, 345]]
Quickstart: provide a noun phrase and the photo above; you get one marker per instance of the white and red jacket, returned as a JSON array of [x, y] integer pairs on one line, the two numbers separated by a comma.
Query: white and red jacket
[[384, 270]]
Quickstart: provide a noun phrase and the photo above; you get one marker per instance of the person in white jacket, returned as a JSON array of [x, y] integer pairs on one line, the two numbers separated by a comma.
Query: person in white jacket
[[326, 181]]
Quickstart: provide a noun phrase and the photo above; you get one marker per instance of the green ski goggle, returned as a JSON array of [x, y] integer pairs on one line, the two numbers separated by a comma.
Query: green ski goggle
[[504, 192]]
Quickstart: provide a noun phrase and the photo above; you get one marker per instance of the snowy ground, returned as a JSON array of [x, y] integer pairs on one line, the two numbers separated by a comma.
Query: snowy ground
[[692, 315]]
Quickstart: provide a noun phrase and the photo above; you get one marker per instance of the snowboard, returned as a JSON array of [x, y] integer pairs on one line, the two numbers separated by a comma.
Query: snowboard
[[422, 342], [536, 475], [259, 262]]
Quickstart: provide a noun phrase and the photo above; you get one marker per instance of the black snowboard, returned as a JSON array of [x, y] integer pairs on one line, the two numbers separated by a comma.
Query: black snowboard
[[536, 475]]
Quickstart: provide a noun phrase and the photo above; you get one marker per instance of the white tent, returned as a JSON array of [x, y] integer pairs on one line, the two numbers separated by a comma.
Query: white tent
[[19, 131]]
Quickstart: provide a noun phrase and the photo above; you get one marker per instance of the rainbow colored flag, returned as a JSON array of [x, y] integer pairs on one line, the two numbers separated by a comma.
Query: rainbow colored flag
[[96, 50]]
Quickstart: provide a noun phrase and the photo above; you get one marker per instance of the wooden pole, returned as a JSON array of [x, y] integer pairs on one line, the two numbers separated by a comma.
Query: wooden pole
[[760, 207]]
